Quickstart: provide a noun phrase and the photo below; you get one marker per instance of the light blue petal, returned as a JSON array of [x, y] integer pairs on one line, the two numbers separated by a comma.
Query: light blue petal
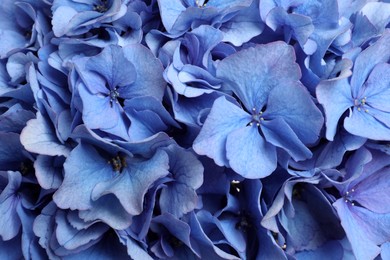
[[211, 140], [170, 11], [83, 169], [48, 171], [279, 133], [39, 137], [249, 154], [113, 66], [71, 238], [376, 89], [294, 105], [379, 52], [357, 229], [149, 73], [131, 185], [335, 97], [372, 193], [9, 222], [368, 124], [253, 72]]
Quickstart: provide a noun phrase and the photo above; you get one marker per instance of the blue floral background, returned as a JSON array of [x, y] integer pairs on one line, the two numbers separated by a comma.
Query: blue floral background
[[195, 129]]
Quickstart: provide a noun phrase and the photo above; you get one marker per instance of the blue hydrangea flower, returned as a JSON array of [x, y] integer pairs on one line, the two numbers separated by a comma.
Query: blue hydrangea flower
[[77, 17], [23, 25], [109, 78], [192, 71], [362, 208], [277, 112], [292, 215], [108, 187], [178, 16], [363, 95]]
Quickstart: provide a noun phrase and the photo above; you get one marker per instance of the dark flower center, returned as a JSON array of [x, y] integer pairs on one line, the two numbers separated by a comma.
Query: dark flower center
[[118, 163], [101, 7]]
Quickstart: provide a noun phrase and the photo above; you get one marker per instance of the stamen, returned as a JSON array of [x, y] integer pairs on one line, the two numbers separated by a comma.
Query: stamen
[[118, 163]]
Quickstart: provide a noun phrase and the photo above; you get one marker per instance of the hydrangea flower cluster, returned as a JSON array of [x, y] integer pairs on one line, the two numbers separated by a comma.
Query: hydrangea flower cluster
[[195, 129]]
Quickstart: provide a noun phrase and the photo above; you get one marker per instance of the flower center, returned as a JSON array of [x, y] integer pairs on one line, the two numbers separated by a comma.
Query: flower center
[[360, 104], [118, 163], [257, 117], [101, 7], [201, 3], [114, 95], [348, 197]]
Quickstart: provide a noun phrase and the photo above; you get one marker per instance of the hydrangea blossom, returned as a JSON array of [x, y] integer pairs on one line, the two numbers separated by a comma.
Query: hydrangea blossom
[[183, 129]]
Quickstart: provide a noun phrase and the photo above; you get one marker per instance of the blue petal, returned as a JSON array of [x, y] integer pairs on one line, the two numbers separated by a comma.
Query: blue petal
[[379, 52], [249, 154], [372, 193], [279, 133], [179, 197], [132, 184], [149, 80], [369, 124], [48, 171], [170, 10], [108, 210], [294, 105], [71, 238], [113, 66], [335, 97], [83, 169], [253, 72], [211, 140], [376, 88], [364, 229], [10, 222], [39, 137]]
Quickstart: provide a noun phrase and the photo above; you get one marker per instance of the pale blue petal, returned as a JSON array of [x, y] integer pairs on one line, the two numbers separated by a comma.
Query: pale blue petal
[[294, 105], [249, 154], [356, 229], [211, 140], [279, 133], [39, 137], [335, 97], [131, 185], [379, 52], [368, 124], [253, 72], [83, 169], [376, 89]]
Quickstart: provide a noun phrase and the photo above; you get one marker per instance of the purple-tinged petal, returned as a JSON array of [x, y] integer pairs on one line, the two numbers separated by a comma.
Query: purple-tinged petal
[[249, 154], [9, 221], [253, 72], [279, 133], [131, 185], [373, 192], [364, 229], [83, 169], [113, 66], [369, 124], [48, 171], [294, 105], [379, 52], [39, 137], [71, 238], [149, 81], [335, 97], [376, 88], [224, 118], [110, 211]]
